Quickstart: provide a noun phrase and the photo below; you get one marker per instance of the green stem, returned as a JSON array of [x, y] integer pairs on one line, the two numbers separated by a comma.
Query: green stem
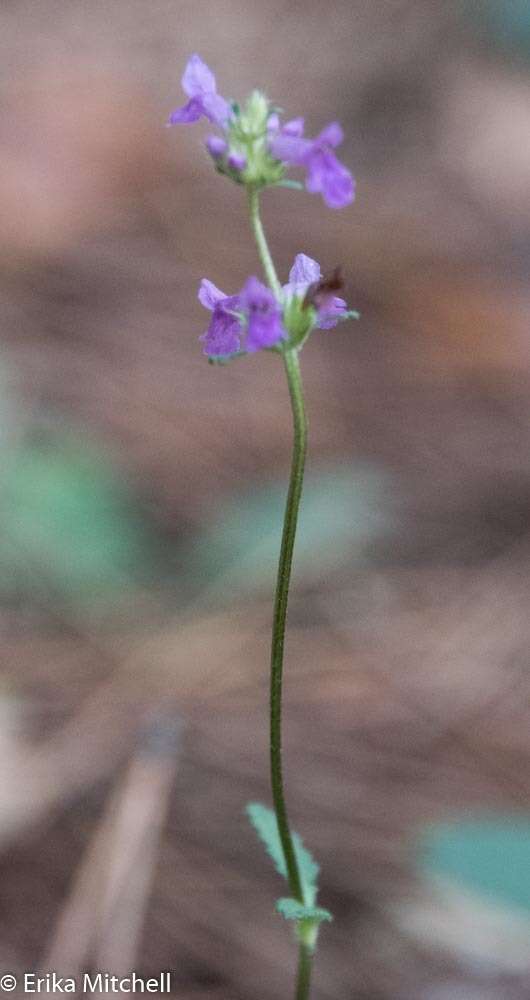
[[294, 381], [303, 979], [292, 370], [261, 240]]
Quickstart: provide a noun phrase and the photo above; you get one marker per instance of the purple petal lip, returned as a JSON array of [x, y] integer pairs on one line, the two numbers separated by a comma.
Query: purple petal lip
[[209, 295], [264, 317], [304, 271], [198, 77], [330, 313], [198, 82], [325, 174], [223, 335], [294, 128], [328, 177]]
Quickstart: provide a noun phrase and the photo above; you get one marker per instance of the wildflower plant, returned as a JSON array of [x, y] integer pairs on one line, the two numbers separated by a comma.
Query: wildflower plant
[[253, 148]]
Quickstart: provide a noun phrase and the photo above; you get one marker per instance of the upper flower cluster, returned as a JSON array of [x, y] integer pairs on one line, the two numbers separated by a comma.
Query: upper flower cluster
[[255, 319], [255, 148]]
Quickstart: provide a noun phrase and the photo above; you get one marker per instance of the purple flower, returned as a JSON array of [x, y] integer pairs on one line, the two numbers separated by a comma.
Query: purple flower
[[305, 272], [255, 307], [325, 174], [198, 82], [264, 316], [223, 334]]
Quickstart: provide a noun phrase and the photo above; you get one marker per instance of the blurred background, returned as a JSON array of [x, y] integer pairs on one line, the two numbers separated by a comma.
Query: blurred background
[[141, 491]]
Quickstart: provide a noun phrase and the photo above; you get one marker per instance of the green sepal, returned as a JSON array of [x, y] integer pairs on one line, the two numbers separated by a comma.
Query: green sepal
[[350, 314], [288, 183], [291, 909], [299, 320], [264, 822], [224, 359]]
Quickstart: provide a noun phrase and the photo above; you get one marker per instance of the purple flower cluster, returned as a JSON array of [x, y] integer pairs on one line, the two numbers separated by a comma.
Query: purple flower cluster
[[256, 314], [285, 144]]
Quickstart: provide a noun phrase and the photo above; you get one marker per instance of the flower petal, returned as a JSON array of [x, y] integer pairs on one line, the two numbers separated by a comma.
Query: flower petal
[[294, 128], [264, 330], [216, 108], [330, 314], [223, 334], [327, 176], [290, 149], [198, 77], [190, 112], [331, 135], [304, 271], [264, 321], [209, 295]]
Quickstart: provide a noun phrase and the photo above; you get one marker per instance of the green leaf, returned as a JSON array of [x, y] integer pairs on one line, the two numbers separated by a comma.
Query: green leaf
[[291, 909], [264, 822], [490, 857]]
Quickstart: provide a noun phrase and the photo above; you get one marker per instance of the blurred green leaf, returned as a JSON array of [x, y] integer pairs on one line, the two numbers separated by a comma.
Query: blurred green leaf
[[342, 511], [66, 522], [488, 856], [505, 22]]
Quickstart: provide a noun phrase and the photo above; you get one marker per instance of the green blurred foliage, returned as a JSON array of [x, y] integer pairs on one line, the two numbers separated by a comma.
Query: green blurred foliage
[[343, 510], [490, 857], [505, 23], [68, 529]]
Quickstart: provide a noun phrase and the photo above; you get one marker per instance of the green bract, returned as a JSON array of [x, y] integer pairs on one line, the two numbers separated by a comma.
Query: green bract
[[247, 136]]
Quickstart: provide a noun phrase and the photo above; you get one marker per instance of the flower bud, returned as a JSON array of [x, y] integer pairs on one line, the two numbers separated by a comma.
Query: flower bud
[[216, 146]]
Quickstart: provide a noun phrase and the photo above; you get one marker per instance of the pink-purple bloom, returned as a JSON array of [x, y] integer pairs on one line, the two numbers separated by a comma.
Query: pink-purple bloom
[[241, 152], [306, 272], [223, 336], [254, 310], [198, 82], [264, 316], [325, 174]]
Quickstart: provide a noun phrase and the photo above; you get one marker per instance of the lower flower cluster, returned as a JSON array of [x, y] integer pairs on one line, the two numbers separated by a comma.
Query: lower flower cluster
[[254, 319]]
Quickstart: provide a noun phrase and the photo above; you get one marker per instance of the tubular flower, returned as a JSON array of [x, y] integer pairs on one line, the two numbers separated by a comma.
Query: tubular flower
[[223, 336], [254, 312], [198, 82], [304, 274], [263, 315], [325, 174]]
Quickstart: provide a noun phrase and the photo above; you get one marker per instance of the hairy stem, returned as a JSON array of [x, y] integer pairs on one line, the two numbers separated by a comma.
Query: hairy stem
[[294, 382], [303, 979], [261, 240], [292, 370]]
